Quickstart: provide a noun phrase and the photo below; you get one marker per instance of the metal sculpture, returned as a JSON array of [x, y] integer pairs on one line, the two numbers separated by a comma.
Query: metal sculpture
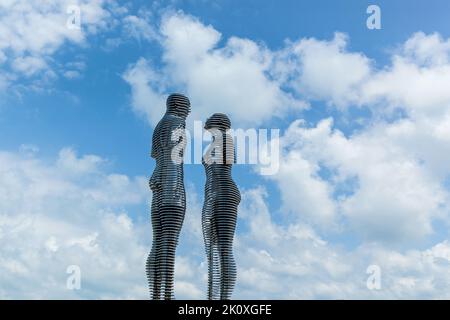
[[169, 199], [219, 213]]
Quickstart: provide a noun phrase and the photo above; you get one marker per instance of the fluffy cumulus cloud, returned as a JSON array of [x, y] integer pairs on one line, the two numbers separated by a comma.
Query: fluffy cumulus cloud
[[383, 190], [31, 32], [253, 83], [291, 260], [326, 70], [297, 175], [147, 96], [319, 70], [388, 180], [69, 212], [416, 80], [238, 77]]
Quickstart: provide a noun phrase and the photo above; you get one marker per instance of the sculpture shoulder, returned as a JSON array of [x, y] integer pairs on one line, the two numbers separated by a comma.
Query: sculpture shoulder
[[165, 128], [174, 121]]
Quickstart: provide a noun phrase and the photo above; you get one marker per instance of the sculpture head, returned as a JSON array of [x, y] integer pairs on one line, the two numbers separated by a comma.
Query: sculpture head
[[218, 121], [221, 149], [178, 104]]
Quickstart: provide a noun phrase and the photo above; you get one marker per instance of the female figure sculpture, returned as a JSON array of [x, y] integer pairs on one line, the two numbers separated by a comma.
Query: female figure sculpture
[[169, 199], [219, 213]]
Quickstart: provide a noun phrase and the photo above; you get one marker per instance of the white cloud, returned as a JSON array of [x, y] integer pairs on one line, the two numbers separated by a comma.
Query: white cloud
[[5, 80], [2, 57], [28, 65], [387, 193], [235, 78], [387, 180], [420, 91], [253, 83], [72, 74], [40, 28], [427, 50], [325, 70], [31, 32], [146, 99], [303, 192], [416, 81], [51, 216], [256, 213], [74, 69], [188, 289], [139, 27], [69, 161], [291, 260]]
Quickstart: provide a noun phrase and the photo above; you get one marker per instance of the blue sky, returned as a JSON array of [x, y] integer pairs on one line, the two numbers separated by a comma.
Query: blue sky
[[363, 117]]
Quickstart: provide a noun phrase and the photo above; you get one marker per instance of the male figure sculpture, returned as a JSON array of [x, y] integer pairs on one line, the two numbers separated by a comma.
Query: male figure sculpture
[[169, 200], [219, 214]]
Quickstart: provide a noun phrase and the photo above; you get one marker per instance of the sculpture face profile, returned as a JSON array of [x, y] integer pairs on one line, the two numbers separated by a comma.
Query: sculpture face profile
[[219, 214], [169, 199]]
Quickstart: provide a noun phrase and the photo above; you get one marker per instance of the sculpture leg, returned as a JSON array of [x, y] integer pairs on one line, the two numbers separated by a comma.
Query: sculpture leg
[[225, 223], [215, 262], [211, 251], [206, 228], [172, 220], [154, 258]]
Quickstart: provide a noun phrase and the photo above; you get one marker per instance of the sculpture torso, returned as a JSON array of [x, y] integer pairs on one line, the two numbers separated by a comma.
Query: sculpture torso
[[219, 180], [168, 175], [218, 168]]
